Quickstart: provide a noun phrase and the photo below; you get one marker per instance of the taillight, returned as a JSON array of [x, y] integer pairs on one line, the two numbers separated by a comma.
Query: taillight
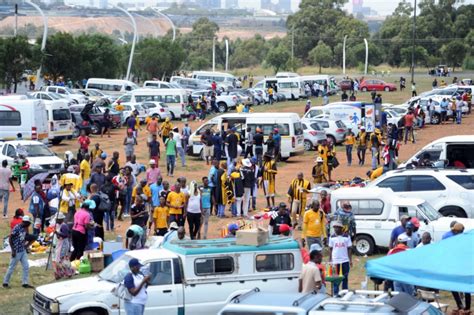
[[182, 106], [34, 134], [293, 142], [162, 110], [313, 133], [340, 130], [51, 126]]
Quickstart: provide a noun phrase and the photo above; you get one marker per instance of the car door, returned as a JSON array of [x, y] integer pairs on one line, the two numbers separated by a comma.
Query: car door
[[165, 289], [428, 188], [396, 183], [9, 153]]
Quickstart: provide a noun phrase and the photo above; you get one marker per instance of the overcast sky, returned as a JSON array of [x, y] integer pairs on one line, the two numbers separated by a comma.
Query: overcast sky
[[383, 7]]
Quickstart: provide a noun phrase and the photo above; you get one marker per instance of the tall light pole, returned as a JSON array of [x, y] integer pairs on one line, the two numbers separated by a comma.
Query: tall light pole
[[214, 54], [150, 22], [43, 41], [344, 55], [366, 56], [132, 51], [173, 27], [226, 55], [413, 46]]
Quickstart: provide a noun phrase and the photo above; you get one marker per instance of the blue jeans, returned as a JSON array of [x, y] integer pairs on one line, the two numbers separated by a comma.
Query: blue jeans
[[345, 282], [19, 257], [458, 116], [182, 155], [128, 200], [403, 287], [109, 218], [349, 154], [134, 308], [220, 210], [375, 152], [170, 162], [4, 195]]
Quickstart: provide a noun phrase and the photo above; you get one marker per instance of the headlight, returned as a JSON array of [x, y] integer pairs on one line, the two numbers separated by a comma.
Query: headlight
[[35, 166], [54, 307]]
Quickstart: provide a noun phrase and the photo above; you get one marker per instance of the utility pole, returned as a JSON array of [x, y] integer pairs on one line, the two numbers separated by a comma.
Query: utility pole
[[15, 32], [214, 54], [43, 41], [344, 55], [226, 55], [366, 56], [413, 47]]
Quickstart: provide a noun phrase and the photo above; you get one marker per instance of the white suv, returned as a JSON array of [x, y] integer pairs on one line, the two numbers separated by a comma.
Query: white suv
[[450, 191], [76, 97]]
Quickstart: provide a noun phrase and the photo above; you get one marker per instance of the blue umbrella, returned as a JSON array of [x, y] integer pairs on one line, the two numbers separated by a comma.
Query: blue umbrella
[[30, 185]]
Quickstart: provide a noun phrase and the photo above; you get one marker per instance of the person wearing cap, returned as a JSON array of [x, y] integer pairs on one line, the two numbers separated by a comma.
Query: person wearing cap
[[318, 171], [361, 145], [340, 253], [37, 205], [277, 142], [136, 283], [17, 218], [258, 142], [95, 153], [172, 232], [82, 222], [237, 184], [398, 230], [310, 278], [314, 225], [349, 141], [232, 230], [297, 194], [279, 218], [69, 200], [412, 237], [345, 216], [269, 172], [61, 265], [153, 172], [19, 244]]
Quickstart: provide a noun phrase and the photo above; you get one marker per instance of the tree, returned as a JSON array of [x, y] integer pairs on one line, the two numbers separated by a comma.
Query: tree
[[16, 55], [321, 55], [278, 57], [421, 56], [62, 57], [454, 53]]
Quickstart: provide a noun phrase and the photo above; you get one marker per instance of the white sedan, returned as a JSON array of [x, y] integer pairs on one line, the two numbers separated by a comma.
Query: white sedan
[[157, 109]]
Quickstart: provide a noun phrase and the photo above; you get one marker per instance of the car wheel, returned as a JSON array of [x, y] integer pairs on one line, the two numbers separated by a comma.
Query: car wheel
[[222, 107], [95, 128], [284, 159], [436, 119], [332, 139], [308, 146], [386, 89], [364, 245], [453, 212], [173, 117], [364, 89]]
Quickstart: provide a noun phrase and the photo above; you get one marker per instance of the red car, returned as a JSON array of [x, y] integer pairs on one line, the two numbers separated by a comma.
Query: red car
[[376, 85]]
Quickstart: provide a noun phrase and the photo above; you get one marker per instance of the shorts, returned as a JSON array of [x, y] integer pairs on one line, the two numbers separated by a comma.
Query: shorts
[[161, 232], [296, 206], [208, 151], [269, 187]]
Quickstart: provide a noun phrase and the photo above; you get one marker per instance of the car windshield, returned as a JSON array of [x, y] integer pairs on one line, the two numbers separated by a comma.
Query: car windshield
[[69, 90], [54, 96], [93, 93], [429, 211], [35, 150], [340, 124], [315, 126], [117, 270]]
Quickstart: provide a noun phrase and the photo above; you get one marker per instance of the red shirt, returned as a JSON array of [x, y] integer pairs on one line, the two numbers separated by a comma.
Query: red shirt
[[326, 205], [213, 86], [14, 222], [397, 249], [84, 142], [409, 120]]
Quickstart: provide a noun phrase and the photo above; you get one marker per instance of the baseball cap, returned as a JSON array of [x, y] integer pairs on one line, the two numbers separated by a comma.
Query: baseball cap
[[339, 224], [152, 161], [233, 227], [402, 238], [26, 218], [319, 159], [90, 203], [61, 216], [404, 217], [253, 160], [134, 263], [415, 222], [103, 155], [282, 205], [409, 225], [284, 228], [315, 247], [246, 162]]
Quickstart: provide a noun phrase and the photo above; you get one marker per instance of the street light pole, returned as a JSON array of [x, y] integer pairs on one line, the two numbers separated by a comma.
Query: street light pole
[[43, 41], [173, 27], [344, 55], [366, 56], [413, 46], [214, 54], [226, 55], [132, 51]]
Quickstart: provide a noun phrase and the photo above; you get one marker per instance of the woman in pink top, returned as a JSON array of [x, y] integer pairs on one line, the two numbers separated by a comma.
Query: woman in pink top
[[82, 221]]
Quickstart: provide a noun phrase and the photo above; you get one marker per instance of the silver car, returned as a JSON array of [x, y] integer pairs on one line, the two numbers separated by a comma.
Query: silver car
[[335, 129], [157, 109], [313, 135]]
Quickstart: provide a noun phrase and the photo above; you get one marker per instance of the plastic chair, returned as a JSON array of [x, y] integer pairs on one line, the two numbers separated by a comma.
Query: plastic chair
[[433, 298]]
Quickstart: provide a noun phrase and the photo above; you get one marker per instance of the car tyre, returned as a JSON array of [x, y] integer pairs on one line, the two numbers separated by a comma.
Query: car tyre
[[173, 117], [386, 89], [76, 133], [364, 245], [308, 146], [222, 107], [95, 128], [436, 119], [56, 141], [332, 139], [453, 212]]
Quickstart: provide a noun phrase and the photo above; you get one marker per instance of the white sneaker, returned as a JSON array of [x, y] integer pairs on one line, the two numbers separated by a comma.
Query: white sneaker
[[126, 215], [5, 216]]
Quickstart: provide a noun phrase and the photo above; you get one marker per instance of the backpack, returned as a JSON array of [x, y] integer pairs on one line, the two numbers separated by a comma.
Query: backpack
[[121, 291], [105, 204]]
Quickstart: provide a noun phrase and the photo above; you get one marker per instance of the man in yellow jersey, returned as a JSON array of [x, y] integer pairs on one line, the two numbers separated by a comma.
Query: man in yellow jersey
[[314, 225], [165, 129], [361, 145], [269, 174], [349, 142], [297, 198]]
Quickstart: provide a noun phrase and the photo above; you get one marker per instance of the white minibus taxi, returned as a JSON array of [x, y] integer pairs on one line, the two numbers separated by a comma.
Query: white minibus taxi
[[288, 124], [223, 80], [292, 88], [111, 86], [175, 99]]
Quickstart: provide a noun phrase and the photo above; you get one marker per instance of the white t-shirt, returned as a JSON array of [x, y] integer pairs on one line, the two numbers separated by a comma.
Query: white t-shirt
[[5, 175], [340, 245], [135, 167], [194, 204], [142, 295]]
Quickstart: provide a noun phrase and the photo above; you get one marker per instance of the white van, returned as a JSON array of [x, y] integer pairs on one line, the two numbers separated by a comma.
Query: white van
[[160, 85], [287, 75], [111, 86], [288, 124], [224, 81], [25, 116], [292, 88], [459, 149], [60, 122], [321, 80], [175, 99]]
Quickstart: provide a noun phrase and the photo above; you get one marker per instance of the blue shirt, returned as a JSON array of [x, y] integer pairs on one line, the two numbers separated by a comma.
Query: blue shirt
[[277, 139], [18, 238], [212, 176], [413, 240], [155, 194], [206, 197], [396, 232], [447, 235]]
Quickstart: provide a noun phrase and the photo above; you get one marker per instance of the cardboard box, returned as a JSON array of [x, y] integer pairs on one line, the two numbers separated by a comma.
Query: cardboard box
[[252, 237], [96, 259]]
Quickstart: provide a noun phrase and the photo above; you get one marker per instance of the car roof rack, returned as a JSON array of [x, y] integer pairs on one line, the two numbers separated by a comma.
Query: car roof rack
[[239, 298], [304, 298]]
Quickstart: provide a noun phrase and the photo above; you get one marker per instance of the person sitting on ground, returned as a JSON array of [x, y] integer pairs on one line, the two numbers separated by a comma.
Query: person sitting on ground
[[232, 228]]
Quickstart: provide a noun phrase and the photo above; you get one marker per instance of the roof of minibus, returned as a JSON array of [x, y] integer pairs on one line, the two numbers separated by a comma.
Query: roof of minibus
[[258, 115], [110, 80], [156, 91], [213, 73]]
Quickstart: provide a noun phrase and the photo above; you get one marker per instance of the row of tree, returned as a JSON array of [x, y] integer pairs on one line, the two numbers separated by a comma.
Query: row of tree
[[445, 34]]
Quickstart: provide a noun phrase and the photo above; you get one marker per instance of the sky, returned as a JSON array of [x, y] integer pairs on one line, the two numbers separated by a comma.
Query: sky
[[383, 7]]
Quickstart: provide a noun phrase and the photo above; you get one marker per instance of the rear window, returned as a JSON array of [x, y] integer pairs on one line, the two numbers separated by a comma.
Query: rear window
[[365, 206], [283, 129], [274, 262], [340, 124], [213, 266], [315, 126], [10, 118], [61, 114], [466, 181], [298, 129]]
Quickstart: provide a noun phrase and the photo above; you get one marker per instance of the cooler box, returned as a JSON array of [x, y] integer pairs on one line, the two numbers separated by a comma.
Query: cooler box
[[252, 237]]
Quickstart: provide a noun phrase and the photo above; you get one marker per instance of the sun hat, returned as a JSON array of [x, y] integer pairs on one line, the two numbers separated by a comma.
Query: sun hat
[[26, 218]]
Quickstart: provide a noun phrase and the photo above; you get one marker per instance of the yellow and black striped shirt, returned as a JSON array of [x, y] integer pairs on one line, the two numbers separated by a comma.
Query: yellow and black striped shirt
[[294, 191], [269, 171]]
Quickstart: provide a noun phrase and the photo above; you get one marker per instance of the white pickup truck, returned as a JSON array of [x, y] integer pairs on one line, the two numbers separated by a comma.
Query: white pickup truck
[[224, 102], [377, 212], [188, 277]]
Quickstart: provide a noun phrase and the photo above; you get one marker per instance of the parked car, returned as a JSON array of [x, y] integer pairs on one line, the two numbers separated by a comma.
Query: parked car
[[356, 302], [157, 109], [80, 124], [95, 95], [224, 102], [313, 135], [335, 129], [449, 191], [96, 114], [377, 212], [40, 158], [192, 84], [188, 277], [129, 108], [76, 97], [50, 97], [345, 84], [376, 85]]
